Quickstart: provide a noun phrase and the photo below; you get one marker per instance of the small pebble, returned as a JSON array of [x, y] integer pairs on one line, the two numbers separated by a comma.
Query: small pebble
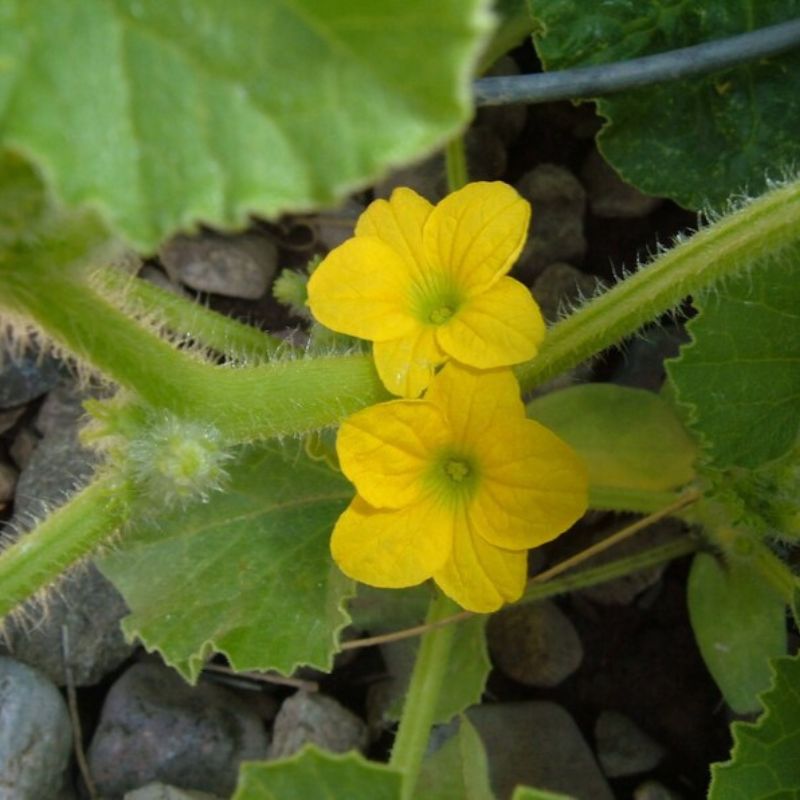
[[61, 409], [9, 417], [653, 790], [559, 204], [23, 447], [155, 727], [35, 735], [234, 266], [8, 481], [559, 287], [26, 377], [622, 748], [609, 195], [314, 718], [161, 791], [536, 644]]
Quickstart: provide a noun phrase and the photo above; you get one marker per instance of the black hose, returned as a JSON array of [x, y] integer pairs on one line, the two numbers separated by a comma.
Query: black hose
[[609, 78]]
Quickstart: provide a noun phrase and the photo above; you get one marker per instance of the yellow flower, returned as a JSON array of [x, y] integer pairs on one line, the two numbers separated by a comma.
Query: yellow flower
[[429, 284], [456, 486]]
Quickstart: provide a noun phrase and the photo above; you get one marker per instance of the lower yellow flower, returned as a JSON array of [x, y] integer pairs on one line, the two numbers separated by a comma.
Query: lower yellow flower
[[457, 487], [428, 284]]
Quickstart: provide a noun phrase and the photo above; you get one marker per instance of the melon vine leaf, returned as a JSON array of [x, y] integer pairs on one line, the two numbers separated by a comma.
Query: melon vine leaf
[[247, 573]]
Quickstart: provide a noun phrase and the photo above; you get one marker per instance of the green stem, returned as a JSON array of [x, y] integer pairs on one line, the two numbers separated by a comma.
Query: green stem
[[455, 157], [774, 571], [423, 692], [188, 319], [618, 568], [39, 557], [761, 228]]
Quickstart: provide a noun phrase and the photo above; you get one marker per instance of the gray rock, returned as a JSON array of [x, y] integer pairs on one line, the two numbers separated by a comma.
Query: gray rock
[[332, 228], [561, 286], [8, 481], [622, 748], [537, 744], [535, 644], [160, 791], [559, 204], [155, 276], [22, 448], [84, 601], [35, 735], [314, 718], [61, 409], [25, 377], [609, 195], [155, 727], [644, 356], [623, 591], [9, 417], [235, 266], [653, 790]]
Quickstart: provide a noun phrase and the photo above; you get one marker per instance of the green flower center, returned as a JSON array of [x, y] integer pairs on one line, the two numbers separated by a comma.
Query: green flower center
[[440, 315], [457, 470]]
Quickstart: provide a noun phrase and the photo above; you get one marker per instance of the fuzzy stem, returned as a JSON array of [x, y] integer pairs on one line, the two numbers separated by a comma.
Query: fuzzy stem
[[761, 228], [69, 534], [423, 692], [184, 317]]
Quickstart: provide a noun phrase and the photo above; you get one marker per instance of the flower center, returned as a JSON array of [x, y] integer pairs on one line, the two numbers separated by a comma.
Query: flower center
[[440, 315], [457, 470]]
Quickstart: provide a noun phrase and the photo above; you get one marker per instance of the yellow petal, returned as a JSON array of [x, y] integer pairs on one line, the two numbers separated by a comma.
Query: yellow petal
[[361, 288], [385, 449], [533, 486], [479, 576], [496, 328], [476, 233], [474, 402], [406, 365], [392, 548], [398, 222]]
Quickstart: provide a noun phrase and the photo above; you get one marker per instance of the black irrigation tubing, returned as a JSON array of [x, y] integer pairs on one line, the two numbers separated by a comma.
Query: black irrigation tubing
[[638, 72]]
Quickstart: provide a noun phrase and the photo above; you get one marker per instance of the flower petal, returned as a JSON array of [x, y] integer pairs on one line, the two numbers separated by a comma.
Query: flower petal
[[474, 402], [533, 486], [479, 576], [406, 365], [392, 548], [385, 449], [361, 288], [496, 328], [398, 222], [476, 233]]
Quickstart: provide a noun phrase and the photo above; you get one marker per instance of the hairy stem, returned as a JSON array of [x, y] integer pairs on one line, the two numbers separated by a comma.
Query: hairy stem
[[37, 558], [761, 228], [423, 692], [190, 320]]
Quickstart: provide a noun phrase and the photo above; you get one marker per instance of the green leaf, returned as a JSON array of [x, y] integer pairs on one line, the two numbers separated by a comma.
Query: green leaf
[[164, 114], [764, 761], [740, 376], [630, 439], [458, 770], [313, 773], [739, 622], [248, 573], [527, 793], [697, 140]]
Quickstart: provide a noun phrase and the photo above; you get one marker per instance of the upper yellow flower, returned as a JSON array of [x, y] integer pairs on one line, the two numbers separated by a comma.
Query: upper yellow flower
[[457, 487], [428, 284]]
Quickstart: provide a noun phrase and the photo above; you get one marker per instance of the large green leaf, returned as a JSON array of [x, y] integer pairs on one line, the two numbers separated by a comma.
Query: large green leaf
[[630, 439], [739, 621], [764, 762], [165, 114], [458, 770], [247, 574], [740, 376], [313, 774], [698, 140]]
